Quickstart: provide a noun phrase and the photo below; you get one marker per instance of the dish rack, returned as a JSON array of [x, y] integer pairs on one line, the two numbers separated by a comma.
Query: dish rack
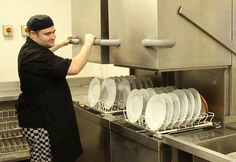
[[204, 120], [13, 146], [117, 107]]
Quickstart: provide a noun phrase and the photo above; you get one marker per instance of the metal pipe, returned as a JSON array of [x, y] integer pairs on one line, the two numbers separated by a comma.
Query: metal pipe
[[158, 43]]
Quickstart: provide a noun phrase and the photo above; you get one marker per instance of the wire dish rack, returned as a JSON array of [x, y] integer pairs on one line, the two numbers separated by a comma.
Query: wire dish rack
[[204, 120], [104, 107], [13, 146]]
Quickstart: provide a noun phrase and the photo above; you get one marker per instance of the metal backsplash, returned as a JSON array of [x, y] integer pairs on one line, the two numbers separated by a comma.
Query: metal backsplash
[[212, 84]]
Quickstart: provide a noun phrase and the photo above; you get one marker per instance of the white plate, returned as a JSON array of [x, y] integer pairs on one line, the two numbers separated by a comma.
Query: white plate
[[170, 88], [116, 79], [155, 112], [144, 83], [191, 104], [183, 105], [131, 76], [158, 90], [94, 91], [176, 108], [146, 97], [169, 109], [151, 91], [232, 154], [134, 105], [164, 90], [123, 91], [108, 93], [197, 99], [138, 83], [149, 81], [132, 83]]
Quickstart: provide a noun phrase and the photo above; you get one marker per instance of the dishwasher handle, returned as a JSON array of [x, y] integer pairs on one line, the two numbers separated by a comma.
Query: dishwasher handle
[[74, 41], [158, 43], [101, 42], [107, 42]]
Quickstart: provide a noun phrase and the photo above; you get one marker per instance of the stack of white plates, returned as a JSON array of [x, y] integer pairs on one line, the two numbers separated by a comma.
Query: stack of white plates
[[164, 110], [162, 107]]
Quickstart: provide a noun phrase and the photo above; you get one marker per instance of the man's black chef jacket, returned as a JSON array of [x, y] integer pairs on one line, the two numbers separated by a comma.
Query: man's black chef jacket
[[46, 100]]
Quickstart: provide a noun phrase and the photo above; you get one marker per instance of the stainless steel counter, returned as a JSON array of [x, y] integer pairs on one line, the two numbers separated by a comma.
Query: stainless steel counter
[[130, 143], [94, 135], [203, 146], [111, 139], [9, 91], [108, 138]]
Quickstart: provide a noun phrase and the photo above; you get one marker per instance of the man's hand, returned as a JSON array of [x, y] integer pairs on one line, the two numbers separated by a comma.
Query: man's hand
[[67, 40], [89, 38], [63, 43]]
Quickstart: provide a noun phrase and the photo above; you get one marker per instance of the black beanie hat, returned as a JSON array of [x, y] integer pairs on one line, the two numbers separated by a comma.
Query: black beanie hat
[[39, 22]]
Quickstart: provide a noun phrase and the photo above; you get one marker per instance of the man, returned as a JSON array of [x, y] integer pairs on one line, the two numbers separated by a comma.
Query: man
[[45, 108]]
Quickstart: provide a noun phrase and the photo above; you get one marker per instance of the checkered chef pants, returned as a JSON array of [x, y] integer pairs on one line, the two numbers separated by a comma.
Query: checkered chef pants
[[39, 143]]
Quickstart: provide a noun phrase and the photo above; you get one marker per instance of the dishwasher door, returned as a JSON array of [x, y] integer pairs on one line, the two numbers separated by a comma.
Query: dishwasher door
[[91, 16]]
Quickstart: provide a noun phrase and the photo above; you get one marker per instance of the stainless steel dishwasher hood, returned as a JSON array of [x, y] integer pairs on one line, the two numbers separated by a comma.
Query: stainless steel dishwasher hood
[[153, 35]]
